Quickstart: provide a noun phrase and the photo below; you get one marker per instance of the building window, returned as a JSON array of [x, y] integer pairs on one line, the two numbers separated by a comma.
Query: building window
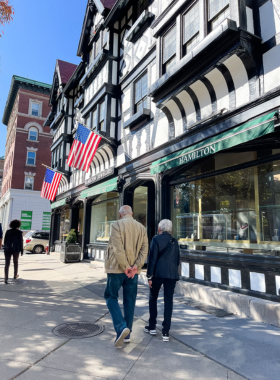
[[141, 6], [102, 117], [35, 108], [104, 212], [29, 183], [191, 28], [218, 12], [169, 49], [94, 119], [33, 134], [140, 90], [31, 157]]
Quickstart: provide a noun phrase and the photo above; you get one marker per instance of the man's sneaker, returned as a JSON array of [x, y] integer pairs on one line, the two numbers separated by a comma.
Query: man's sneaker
[[165, 336], [127, 339], [150, 330], [120, 338]]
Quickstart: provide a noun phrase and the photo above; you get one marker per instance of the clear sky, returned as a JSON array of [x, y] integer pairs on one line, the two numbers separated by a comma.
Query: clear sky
[[41, 32]]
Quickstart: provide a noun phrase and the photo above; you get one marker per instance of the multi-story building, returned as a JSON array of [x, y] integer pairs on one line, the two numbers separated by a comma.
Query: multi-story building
[[186, 95], [2, 160], [27, 148]]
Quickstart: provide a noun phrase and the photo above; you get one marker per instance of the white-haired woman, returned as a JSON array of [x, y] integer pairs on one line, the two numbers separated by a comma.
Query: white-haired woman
[[163, 263]]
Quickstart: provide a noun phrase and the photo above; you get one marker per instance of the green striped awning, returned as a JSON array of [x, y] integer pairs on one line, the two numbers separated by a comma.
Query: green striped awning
[[58, 203], [110, 185], [238, 135]]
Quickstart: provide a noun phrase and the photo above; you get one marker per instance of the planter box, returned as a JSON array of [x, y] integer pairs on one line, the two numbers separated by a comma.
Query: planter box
[[69, 253]]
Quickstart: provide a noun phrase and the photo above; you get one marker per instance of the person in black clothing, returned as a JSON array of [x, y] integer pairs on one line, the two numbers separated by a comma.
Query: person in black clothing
[[163, 263], [13, 245]]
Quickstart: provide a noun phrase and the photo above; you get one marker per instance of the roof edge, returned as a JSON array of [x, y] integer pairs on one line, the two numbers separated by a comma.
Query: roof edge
[[14, 87]]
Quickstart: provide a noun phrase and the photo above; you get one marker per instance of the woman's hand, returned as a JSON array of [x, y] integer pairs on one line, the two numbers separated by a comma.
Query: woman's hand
[[150, 283]]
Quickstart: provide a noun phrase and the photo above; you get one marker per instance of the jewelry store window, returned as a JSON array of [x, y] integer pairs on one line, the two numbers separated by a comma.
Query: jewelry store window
[[64, 225], [104, 212], [236, 211]]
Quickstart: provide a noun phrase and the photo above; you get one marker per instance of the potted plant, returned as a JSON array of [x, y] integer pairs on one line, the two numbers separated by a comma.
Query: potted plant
[[72, 252]]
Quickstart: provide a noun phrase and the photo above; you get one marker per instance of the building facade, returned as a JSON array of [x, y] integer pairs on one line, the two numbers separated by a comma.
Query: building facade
[[186, 96], [27, 148], [2, 160]]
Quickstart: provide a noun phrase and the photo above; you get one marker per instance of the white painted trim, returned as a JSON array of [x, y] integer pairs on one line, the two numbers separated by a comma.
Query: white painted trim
[[35, 117], [35, 101], [33, 124]]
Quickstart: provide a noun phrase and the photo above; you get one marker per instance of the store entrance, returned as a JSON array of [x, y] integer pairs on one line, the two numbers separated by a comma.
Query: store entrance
[[142, 201]]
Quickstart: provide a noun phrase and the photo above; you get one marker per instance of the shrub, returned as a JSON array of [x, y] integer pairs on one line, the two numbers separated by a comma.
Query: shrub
[[71, 237]]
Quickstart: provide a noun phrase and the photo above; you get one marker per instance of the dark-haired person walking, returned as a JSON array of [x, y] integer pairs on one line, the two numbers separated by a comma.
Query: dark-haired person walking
[[13, 245]]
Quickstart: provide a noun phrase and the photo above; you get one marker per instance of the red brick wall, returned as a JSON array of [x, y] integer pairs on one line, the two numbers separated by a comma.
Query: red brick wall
[[43, 153], [24, 97]]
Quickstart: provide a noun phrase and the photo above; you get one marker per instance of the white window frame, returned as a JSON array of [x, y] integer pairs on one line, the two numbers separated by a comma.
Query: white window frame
[[35, 101], [29, 176], [31, 151], [30, 130]]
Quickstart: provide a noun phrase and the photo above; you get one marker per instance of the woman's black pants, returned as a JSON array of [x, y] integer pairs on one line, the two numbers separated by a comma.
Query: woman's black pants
[[168, 291], [8, 257]]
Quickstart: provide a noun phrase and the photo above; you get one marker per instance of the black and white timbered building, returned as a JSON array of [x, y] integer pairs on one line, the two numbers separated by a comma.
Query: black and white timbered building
[[186, 96]]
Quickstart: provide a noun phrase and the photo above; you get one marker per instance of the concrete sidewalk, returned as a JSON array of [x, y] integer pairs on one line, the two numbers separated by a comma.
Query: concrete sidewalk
[[202, 346]]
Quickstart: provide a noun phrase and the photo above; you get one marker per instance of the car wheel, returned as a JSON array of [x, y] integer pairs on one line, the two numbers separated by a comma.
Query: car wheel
[[38, 249]]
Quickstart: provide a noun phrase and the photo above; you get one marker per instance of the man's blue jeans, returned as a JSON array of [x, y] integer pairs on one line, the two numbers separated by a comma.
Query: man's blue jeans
[[114, 283]]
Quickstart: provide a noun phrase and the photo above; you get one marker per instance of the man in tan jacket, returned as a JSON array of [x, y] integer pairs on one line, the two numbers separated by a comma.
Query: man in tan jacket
[[126, 254]]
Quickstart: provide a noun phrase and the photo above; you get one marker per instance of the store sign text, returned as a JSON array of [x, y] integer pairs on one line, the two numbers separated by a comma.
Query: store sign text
[[197, 154], [103, 174]]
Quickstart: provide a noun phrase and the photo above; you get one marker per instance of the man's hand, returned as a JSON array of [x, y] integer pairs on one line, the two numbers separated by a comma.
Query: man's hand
[[150, 283], [131, 272]]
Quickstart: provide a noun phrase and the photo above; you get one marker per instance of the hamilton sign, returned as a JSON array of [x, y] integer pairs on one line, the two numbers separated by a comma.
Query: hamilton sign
[[105, 173]]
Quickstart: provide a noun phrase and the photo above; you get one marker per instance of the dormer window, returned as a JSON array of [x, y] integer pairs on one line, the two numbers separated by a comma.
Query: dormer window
[[218, 12], [169, 49], [33, 134], [35, 109], [191, 28]]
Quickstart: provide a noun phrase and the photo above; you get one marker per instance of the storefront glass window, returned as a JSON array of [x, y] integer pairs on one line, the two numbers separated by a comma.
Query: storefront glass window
[[81, 225], [64, 224], [103, 215], [238, 211], [140, 205]]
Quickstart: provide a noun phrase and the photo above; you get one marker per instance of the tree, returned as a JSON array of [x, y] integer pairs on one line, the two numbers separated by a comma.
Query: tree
[[6, 13]]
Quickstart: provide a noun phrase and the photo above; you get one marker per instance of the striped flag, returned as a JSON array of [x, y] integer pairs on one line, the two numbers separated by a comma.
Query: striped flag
[[83, 148], [50, 184]]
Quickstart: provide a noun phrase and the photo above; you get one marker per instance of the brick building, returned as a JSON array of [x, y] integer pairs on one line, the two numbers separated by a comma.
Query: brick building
[[27, 148], [2, 160]]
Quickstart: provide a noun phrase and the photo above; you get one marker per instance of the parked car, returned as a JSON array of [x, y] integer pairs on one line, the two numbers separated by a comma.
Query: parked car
[[36, 241]]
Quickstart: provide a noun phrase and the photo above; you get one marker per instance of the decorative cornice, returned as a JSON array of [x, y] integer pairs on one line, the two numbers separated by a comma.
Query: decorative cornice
[[30, 174], [32, 149], [29, 116]]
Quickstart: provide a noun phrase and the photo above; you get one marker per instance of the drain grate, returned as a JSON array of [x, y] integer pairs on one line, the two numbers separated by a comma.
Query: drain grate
[[78, 330], [14, 282]]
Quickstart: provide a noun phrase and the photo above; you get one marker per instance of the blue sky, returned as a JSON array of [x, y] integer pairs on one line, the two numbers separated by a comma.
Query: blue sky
[[41, 32]]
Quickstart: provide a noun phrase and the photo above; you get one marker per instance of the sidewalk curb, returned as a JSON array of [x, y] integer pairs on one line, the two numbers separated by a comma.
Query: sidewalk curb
[[246, 306]]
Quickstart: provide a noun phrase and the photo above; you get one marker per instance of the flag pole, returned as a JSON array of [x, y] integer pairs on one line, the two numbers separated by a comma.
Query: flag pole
[[53, 169]]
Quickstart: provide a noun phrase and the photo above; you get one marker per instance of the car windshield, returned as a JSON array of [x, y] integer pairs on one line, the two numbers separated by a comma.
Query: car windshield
[[28, 234]]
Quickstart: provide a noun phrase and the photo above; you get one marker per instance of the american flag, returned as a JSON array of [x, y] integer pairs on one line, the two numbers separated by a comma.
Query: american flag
[[83, 148], [50, 184]]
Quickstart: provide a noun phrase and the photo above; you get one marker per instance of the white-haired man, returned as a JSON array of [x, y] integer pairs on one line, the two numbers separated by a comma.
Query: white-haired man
[[126, 254], [163, 263]]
